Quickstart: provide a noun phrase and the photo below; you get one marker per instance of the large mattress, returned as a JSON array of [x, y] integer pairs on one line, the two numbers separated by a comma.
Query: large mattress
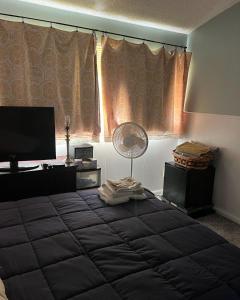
[[74, 246]]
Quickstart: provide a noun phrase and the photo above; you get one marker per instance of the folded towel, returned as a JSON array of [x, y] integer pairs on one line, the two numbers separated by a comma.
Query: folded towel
[[124, 184], [119, 200], [110, 200], [193, 148], [2, 291], [112, 193], [121, 191]]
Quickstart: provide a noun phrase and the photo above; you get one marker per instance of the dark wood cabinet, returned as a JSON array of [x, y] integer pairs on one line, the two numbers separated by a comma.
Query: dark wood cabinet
[[189, 189], [38, 182]]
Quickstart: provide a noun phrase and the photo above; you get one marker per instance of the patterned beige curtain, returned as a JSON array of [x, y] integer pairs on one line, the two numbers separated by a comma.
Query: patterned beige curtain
[[144, 87], [42, 66]]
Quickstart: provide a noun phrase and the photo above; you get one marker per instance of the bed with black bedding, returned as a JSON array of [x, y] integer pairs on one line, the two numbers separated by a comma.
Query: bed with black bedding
[[73, 246]]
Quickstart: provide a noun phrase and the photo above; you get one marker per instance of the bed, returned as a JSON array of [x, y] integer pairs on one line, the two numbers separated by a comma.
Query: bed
[[74, 247]]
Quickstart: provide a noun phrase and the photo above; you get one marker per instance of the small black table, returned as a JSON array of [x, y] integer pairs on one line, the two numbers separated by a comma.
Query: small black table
[[189, 189]]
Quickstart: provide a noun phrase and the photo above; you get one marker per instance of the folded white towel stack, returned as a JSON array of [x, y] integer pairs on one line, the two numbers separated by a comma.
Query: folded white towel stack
[[119, 191], [2, 291]]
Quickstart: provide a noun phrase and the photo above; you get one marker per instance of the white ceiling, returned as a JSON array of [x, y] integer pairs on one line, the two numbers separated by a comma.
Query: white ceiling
[[177, 15]]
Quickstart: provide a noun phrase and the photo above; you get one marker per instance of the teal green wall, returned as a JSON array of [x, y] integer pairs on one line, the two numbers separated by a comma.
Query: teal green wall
[[214, 80], [38, 11]]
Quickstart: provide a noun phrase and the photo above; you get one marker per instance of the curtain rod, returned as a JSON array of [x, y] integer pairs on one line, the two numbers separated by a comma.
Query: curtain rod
[[94, 30]]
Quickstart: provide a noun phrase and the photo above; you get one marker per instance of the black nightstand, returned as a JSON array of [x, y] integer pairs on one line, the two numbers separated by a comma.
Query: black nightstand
[[189, 189]]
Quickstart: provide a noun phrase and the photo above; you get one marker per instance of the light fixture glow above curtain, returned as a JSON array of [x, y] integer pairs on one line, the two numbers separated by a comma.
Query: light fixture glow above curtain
[[97, 12]]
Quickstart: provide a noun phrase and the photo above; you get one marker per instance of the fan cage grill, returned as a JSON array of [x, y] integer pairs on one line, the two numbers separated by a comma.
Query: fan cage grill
[[130, 133]]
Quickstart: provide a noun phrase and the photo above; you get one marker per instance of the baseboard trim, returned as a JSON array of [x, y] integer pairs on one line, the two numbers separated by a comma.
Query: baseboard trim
[[227, 215], [158, 192], [218, 210]]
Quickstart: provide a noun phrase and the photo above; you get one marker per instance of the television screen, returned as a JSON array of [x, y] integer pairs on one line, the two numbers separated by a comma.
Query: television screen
[[28, 133]]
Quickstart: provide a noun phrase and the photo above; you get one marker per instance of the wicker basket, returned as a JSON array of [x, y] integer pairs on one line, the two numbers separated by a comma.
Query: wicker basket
[[189, 162]]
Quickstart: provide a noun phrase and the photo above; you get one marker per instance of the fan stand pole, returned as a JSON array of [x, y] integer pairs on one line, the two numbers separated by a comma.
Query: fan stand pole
[[135, 201], [131, 166]]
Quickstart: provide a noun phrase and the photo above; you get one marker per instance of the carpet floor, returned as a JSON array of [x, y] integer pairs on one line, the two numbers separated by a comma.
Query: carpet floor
[[224, 227]]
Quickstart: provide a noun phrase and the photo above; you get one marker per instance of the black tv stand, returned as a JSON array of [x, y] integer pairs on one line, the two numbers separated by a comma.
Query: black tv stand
[[38, 182], [14, 168], [19, 169]]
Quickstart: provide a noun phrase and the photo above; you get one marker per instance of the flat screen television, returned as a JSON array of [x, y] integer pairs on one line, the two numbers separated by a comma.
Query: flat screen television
[[26, 133]]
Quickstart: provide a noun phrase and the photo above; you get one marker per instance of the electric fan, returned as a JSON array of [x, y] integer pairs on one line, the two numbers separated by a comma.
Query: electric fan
[[130, 140]]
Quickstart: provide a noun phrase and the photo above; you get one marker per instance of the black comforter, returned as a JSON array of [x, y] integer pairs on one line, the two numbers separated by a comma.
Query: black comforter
[[73, 246]]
